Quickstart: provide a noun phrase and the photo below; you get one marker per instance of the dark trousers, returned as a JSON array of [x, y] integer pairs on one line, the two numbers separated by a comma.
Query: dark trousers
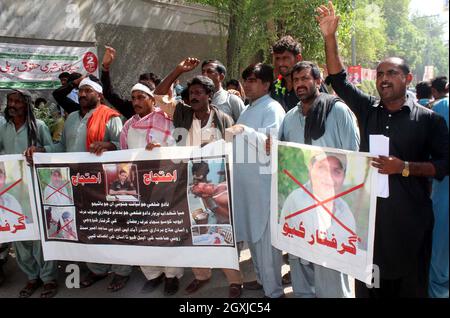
[[413, 285]]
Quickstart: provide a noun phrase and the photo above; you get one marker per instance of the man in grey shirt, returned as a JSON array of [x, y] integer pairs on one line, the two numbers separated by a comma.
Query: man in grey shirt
[[230, 104]]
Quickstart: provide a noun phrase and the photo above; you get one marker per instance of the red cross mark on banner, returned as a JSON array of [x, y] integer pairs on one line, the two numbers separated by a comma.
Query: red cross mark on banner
[[3, 191], [63, 228], [321, 203], [58, 191]]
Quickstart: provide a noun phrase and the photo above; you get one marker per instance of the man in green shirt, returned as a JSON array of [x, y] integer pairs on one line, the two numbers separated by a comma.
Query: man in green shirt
[[94, 128], [23, 130]]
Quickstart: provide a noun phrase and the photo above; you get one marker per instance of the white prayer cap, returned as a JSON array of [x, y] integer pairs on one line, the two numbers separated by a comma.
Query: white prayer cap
[[324, 155], [95, 86], [142, 88]]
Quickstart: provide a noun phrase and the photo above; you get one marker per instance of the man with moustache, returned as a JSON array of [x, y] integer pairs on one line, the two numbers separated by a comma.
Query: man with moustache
[[229, 103], [321, 120], [203, 123], [23, 130], [286, 52], [94, 128], [124, 106], [202, 120], [418, 149], [150, 127]]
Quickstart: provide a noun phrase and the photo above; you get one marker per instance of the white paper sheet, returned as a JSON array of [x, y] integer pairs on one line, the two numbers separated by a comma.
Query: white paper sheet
[[379, 146]]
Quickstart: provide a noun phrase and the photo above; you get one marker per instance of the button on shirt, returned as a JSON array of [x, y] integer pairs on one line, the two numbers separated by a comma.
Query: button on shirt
[[416, 134]]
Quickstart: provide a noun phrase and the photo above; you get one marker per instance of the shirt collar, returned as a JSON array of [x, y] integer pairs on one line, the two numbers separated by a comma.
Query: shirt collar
[[220, 96], [408, 103], [260, 100], [14, 126]]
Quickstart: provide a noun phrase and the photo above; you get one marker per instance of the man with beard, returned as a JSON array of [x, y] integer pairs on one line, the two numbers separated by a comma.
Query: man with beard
[[23, 130], [325, 121], [94, 128], [418, 148]]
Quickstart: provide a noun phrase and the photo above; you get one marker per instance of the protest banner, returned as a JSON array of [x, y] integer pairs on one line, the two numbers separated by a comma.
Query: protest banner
[[18, 220], [168, 207], [354, 74], [38, 66], [323, 207]]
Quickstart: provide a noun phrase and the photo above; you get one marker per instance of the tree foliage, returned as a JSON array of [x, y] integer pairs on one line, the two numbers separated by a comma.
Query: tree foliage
[[382, 28], [254, 25]]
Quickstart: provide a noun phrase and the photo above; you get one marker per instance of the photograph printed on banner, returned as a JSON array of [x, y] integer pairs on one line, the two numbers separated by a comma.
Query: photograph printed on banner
[[55, 185], [61, 223], [212, 235], [122, 182], [16, 212], [324, 177], [326, 207], [13, 204], [208, 195]]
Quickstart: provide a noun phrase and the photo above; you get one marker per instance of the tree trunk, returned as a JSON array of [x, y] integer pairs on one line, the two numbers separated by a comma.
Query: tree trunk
[[233, 45]]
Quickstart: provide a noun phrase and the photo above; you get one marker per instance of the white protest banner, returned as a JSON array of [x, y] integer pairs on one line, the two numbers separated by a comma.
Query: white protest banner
[[18, 220], [323, 207], [38, 66], [166, 207]]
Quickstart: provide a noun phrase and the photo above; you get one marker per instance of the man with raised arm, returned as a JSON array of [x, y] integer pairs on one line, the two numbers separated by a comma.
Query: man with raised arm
[[418, 148]]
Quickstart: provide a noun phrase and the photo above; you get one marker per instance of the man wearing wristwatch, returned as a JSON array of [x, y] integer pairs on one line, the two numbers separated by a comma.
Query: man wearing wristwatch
[[418, 147]]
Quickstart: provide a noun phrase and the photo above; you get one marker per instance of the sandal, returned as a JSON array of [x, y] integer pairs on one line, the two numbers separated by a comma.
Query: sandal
[[234, 291], [91, 279], [50, 289], [30, 288], [118, 282]]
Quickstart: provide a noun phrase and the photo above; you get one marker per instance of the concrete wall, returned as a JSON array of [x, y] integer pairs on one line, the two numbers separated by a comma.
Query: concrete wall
[[149, 35], [75, 20]]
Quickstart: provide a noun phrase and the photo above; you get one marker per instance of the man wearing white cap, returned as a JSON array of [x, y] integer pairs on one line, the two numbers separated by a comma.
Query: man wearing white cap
[[95, 128], [150, 125], [149, 128]]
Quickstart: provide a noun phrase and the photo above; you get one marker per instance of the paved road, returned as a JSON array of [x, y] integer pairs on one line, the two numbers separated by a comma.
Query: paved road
[[216, 288]]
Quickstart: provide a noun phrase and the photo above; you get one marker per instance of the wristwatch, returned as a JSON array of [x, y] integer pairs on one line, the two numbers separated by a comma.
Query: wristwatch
[[405, 171]]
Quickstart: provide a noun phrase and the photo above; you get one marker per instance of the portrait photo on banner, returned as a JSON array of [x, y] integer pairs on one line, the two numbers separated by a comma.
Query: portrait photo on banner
[[61, 223], [121, 182], [17, 213], [14, 197], [55, 185], [326, 207]]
